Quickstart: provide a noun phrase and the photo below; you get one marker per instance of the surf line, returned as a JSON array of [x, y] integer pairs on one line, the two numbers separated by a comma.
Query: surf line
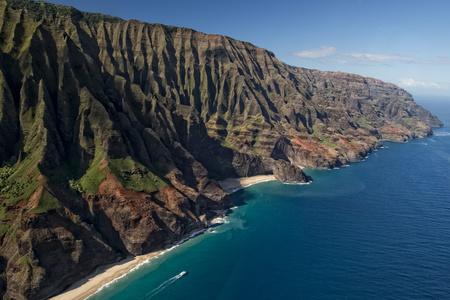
[[164, 285], [138, 266]]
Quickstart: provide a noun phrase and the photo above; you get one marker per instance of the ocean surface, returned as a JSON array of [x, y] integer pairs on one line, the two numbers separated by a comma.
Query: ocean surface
[[379, 229]]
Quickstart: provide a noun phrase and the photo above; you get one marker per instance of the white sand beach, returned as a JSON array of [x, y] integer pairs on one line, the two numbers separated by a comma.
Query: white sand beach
[[104, 275], [233, 184], [108, 274]]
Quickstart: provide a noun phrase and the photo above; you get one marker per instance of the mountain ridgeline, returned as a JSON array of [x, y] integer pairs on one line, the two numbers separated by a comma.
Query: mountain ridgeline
[[113, 134]]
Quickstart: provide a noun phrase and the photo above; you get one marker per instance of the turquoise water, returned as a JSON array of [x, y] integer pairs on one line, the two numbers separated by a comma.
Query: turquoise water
[[379, 229]]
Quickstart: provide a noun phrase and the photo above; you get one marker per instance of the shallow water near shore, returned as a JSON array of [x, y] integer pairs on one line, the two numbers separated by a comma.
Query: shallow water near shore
[[378, 229]]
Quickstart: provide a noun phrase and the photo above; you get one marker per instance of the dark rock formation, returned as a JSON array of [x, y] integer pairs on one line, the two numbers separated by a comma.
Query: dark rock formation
[[113, 133], [288, 173]]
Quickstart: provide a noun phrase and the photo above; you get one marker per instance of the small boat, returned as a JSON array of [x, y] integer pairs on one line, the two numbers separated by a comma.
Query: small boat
[[182, 273]]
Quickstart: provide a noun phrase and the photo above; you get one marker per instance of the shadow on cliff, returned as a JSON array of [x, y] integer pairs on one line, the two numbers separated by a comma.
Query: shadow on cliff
[[220, 162], [102, 224]]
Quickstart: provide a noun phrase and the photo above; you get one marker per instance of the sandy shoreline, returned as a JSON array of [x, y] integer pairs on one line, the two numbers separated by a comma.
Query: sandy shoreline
[[233, 184], [108, 274], [104, 275]]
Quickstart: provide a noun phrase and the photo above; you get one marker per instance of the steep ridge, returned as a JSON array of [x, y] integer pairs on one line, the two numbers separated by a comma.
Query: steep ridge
[[113, 132]]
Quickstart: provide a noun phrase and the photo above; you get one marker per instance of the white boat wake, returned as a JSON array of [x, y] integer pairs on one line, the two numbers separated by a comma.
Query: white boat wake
[[164, 285]]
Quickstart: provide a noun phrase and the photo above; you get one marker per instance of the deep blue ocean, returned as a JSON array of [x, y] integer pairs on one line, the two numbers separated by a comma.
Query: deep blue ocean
[[379, 229]]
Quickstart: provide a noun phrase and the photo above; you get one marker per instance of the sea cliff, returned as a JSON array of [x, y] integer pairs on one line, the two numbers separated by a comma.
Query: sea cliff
[[113, 134]]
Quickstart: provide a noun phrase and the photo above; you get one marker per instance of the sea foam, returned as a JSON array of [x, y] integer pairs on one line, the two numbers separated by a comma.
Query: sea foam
[[146, 261]]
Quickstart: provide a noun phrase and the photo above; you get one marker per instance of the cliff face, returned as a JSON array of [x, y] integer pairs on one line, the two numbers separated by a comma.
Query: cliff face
[[111, 130]]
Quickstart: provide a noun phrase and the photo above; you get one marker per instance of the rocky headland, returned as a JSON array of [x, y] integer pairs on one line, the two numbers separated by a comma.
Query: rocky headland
[[113, 135]]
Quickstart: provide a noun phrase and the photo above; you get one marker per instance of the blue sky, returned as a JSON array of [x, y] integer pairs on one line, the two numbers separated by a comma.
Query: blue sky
[[403, 42]]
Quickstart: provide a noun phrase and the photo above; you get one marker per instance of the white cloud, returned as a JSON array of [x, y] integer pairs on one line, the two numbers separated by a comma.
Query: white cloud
[[443, 60], [377, 58], [410, 82], [323, 51], [351, 58], [342, 62]]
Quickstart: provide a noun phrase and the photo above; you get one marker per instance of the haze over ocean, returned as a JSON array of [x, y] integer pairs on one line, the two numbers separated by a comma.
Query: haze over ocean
[[378, 229]]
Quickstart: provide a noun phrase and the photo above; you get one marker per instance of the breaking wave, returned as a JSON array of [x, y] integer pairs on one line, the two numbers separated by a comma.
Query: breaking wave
[[147, 261]]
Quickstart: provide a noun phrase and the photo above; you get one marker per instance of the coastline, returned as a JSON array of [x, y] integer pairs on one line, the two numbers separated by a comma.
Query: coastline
[[106, 275], [109, 274], [232, 185]]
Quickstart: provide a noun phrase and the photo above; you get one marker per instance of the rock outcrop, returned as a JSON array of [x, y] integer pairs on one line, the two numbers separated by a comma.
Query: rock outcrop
[[289, 173], [113, 134]]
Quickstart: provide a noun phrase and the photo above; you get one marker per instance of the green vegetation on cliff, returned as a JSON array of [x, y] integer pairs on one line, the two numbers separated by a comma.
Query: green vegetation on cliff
[[20, 180], [134, 176], [47, 202], [94, 175], [322, 139], [86, 98]]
